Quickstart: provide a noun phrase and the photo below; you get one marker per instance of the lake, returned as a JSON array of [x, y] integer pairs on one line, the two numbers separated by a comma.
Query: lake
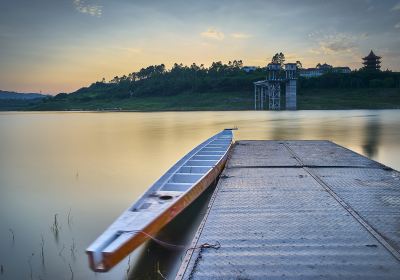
[[80, 170]]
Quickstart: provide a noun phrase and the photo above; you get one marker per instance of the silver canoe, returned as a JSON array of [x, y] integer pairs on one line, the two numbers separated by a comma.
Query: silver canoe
[[165, 199]]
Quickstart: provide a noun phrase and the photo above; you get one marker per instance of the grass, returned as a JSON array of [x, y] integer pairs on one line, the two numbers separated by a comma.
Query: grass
[[313, 99], [335, 99], [181, 102]]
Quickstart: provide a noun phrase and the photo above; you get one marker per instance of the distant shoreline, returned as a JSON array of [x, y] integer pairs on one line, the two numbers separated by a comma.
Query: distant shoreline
[[310, 99], [183, 111]]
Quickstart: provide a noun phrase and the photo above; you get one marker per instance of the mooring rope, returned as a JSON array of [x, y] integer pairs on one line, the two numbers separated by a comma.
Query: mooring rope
[[205, 245]]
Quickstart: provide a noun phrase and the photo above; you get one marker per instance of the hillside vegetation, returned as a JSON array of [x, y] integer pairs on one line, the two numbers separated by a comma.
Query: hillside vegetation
[[223, 87]]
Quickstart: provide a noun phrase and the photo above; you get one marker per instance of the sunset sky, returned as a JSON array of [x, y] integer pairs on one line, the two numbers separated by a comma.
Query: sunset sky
[[61, 45]]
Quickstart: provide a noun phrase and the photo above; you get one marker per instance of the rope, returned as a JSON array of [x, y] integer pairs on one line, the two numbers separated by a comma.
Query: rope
[[216, 246], [200, 256]]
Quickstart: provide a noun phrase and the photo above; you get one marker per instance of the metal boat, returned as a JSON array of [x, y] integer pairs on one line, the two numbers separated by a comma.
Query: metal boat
[[164, 200]]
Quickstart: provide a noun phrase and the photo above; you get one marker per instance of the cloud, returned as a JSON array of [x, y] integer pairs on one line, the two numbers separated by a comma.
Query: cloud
[[396, 7], [397, 26], [213, 33], [240, 35], [370, 7], [336, 43], [84, 7]]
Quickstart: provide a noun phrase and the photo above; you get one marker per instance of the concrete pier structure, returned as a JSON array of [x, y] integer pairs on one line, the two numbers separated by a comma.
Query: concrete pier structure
[[271, 87], [291, 95], [299, 210]]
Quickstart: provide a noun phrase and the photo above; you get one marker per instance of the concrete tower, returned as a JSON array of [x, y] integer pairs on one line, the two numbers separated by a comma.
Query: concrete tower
[[291, 86]]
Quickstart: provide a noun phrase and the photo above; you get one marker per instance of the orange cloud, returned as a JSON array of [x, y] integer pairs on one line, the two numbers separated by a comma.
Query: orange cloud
[[213, 33]]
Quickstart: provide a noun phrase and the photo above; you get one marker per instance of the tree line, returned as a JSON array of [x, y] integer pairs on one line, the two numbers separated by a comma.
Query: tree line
[[160, 81], [157, 80], [355, 79]]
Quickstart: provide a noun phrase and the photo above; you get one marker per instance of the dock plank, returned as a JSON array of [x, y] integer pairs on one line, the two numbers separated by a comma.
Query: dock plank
[[275, 220]]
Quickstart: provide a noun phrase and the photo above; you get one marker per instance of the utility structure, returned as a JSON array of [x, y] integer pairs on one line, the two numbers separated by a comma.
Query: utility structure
[[270, 88]]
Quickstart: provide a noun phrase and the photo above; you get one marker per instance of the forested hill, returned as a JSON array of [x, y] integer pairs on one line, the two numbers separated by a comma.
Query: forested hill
[[156, 80], [220, 87], [20, 96]]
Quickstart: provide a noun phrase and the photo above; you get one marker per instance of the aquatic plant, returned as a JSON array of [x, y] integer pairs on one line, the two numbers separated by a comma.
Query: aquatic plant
[[42, 249], [72, 272], [69, 218], [30, 265], [55, 228], [73, 249], [12, 235], [129, 267]]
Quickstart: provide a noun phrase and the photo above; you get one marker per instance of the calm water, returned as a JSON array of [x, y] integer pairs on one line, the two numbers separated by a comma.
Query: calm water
[[86, 168]]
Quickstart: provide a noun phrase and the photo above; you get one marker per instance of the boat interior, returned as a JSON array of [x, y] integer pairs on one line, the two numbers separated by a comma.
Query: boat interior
[[163, 193], [185, 175]]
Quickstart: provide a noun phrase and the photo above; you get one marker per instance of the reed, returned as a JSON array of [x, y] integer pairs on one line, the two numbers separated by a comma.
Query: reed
[[72, 272], [55, 228], [69, 218], [30, 265], [73, 249], [159, 271], [60, 253], [42, 249], [12, 235], [129, 267]]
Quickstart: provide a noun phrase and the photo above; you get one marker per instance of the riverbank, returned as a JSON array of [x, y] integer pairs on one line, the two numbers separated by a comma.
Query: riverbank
[[310, 99], [343, 99]]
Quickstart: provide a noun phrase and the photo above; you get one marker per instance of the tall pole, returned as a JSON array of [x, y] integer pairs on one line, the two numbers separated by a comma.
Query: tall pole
[[264, 94], [255, 97]]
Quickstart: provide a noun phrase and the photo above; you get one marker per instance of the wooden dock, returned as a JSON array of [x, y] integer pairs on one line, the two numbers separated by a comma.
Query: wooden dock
[[299, 210]]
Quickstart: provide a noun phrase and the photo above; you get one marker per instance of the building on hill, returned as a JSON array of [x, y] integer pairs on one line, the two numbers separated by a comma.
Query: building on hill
[[248, 69], [372, 62], [344, 70], [310, 72], [322, 69]]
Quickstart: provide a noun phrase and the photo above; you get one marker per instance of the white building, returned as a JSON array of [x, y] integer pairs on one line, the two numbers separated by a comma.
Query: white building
[[311, 72], [320, 70], [248, 69]]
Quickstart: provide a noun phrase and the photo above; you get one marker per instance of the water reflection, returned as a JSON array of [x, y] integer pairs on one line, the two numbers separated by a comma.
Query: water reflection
[[371, 136], [89, 167]]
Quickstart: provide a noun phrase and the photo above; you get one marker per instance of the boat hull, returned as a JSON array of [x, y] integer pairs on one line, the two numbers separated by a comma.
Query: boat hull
[[109, 260]]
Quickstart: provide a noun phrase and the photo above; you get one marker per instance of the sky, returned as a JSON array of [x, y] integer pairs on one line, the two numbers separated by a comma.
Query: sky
[[54, 46]]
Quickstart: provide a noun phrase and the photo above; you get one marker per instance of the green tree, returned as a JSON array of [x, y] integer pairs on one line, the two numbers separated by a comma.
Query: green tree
[[278, 58], [375, 83], [388, 82]]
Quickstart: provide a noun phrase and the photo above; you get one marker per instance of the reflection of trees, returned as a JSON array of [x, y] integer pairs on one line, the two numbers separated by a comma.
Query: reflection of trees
[[284, 127], [371, 136]]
